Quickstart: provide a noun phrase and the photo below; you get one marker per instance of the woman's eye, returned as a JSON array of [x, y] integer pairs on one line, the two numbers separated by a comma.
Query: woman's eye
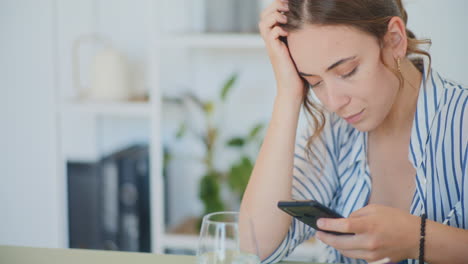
[[351, 73]]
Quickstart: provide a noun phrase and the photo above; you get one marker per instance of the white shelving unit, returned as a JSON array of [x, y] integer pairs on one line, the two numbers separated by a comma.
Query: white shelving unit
[[123, 109]]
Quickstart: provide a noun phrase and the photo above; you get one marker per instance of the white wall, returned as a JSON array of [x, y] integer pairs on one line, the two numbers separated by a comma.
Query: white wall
[[444, 22], [32, 200]]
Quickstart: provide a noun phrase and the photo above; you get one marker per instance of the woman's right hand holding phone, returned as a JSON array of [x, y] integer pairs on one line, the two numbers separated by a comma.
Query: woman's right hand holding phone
[[289, 83]]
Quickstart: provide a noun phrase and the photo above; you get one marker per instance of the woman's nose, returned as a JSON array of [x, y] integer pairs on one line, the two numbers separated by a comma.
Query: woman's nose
[[335, 99]]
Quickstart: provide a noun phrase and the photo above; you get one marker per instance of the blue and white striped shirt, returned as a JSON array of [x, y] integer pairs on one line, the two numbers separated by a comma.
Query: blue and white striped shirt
[[438, 151]]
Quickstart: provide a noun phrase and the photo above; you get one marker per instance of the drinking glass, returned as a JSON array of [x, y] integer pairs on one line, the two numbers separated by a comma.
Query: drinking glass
[[223, 241]]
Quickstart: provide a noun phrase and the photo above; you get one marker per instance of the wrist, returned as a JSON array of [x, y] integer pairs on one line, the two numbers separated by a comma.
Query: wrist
[[286, 110], [289, 100], [413, 252]]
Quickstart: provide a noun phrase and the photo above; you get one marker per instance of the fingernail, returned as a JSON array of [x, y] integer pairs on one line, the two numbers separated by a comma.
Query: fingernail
[[285, 17], [320, 223]]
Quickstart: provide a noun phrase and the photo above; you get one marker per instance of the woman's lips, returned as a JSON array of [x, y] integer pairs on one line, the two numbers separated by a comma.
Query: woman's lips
[[354, 118]]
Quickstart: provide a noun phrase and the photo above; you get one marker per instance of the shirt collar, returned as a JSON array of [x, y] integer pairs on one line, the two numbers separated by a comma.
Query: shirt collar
[[359, 153], [427, 106]]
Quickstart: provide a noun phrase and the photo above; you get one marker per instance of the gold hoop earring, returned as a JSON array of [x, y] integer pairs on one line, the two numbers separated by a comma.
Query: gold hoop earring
[[399, 65]]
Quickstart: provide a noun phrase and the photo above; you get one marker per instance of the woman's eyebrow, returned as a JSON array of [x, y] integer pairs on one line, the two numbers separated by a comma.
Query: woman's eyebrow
[[334, 65]]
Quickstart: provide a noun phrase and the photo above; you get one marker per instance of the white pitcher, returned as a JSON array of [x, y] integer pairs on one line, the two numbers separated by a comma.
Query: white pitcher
[[109, 72]]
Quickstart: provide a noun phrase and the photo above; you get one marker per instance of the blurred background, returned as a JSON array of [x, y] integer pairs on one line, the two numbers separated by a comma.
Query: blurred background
[[124, 121]]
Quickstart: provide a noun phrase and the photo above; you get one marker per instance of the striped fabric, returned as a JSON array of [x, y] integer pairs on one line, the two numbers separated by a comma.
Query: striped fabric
[[339, 175]]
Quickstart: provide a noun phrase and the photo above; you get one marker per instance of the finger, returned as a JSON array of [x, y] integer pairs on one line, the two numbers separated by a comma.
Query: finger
[[277, 32], [273, 19], [276, 6], [343, 225], [342, 242], [270, 22]]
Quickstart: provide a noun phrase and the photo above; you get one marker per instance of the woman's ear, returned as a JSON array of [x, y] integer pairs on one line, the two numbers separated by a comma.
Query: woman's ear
[[396, 39]]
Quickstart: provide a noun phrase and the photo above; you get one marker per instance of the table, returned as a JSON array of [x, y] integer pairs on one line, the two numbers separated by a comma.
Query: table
[[29, 255]]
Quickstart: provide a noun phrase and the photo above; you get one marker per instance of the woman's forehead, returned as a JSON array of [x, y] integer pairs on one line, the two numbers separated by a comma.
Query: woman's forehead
[[318, 46]]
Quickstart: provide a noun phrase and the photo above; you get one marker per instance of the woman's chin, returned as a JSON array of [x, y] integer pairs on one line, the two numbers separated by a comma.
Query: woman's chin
[[364, 125]]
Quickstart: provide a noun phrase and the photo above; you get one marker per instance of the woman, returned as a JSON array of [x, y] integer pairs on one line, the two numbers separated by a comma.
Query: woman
[[387, 145]]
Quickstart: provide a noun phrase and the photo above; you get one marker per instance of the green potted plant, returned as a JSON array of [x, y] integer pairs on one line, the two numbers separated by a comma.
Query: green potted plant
[[238, 173]]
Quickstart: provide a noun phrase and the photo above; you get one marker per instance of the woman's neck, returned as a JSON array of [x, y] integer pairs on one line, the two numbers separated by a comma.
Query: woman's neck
[[400, 118]]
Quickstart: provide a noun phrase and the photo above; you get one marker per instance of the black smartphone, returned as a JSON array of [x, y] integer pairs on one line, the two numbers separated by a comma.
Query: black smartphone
[[309, 212]]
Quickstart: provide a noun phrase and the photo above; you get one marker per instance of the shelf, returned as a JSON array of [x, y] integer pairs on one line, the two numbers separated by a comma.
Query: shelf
[[125, 109], [215, 40]]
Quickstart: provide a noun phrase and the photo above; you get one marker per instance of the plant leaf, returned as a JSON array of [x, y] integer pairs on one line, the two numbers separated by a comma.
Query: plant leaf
[[208, 107], [181, 131], [236, 142], [194, 98], [228, 85], [210, 194], [239, 175], [254, 132]]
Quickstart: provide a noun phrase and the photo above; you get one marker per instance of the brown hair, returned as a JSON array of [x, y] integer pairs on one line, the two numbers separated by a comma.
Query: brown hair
[[369, 16]]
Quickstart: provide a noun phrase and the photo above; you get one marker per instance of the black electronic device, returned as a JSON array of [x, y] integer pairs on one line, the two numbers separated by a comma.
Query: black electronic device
[[308, 212]]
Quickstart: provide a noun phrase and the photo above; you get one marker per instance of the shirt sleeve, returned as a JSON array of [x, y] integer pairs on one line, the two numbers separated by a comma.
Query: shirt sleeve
[[314, 178]]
